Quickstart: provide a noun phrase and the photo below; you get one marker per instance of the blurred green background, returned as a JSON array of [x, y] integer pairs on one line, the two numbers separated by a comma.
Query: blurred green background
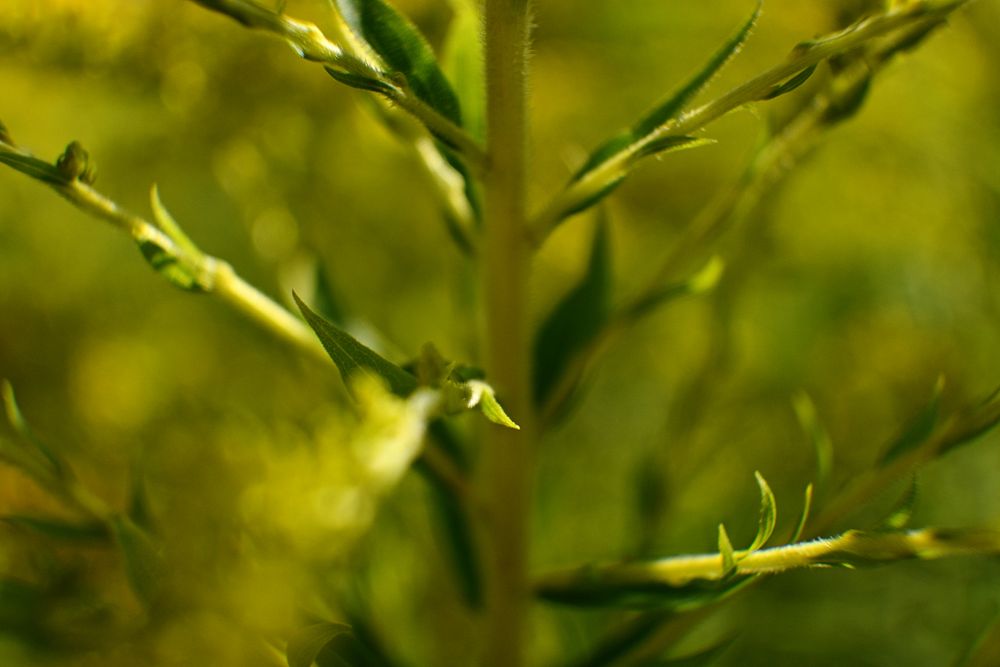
[[867, 273]]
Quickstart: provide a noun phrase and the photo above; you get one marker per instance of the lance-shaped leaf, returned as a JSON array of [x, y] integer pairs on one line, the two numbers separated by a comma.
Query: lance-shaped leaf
[[351, 356], [305, 645], [183, 265], [32, 166], [726, 551], [800, 526], [918, 430], [144, 562], [805, 411], [404, 50], [641, 139], [463, 62], [768, 514], [575, 321]]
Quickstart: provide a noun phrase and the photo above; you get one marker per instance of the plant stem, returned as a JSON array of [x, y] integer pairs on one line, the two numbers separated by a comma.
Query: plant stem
[[506, 251]]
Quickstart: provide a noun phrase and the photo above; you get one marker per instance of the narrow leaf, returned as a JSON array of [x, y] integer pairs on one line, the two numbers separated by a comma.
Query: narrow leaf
[[670, 144], [591, 591], [768, 514], [704, 280], [805, 411], [61, 529], [575, 321], [360, 81], [727, 552], [32, 166], [484, 396], [791, 84], [351, 356], [144, 563], [167, 264], [463, 63], [671, 107], [401, 46], [900, 515], [166, 222], [703, 658], [306, 644], [918, 430], [804, 517], [50, 464]]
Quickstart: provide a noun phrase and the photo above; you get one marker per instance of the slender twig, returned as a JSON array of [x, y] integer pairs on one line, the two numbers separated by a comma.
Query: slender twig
[[311, 44], [803, 57], [853, 548]]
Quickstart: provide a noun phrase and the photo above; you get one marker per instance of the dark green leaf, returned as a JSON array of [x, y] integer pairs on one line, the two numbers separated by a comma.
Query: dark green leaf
[[61, 529], [768, 514], [48, 463], [575, 322], [591, 591], [168, 265], [791, 84], [32, 166], [674, 104], [144, 563], [918, 430], [360, 81], [326, 302], [623, 640], [306, 644], [459, 541], [845, 103], [351, 356], [403, 49], [702, 658]]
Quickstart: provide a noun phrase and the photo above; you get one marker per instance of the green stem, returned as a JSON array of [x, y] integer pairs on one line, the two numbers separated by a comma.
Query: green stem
[[505, 254]]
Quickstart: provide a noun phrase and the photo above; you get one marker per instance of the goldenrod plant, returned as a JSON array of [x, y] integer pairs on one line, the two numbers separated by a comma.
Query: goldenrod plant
[[562, 475]]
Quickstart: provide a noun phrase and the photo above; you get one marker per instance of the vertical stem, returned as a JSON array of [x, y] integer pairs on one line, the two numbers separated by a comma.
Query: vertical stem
[[507, 465]]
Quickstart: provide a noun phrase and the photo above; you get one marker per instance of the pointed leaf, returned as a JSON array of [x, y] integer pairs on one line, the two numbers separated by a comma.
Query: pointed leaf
[[902, 512], [403, 49], [306, 644], [918, 430], [166, 222], [32, 166], [727, 552], [790, 85], [703, 658], [704, 280], [670, 144], [768, 514], [805, 411], [352, 357], [61, 529], [463, 62], [673, 105], [591, 591], [144, 563], [804, 517], [484, 396], [167, 264], [49, 462], [360, 81], [575, 322]]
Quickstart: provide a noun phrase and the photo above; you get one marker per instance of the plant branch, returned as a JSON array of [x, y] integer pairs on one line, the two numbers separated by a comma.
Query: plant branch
[[851, 549], [311, 44], [505, 255], [804, 56]]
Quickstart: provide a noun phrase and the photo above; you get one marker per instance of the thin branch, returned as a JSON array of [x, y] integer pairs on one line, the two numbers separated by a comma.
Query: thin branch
[[311, 44], [803, 57]]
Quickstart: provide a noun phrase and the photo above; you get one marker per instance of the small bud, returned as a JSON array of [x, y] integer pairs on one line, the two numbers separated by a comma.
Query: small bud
[[75, 164]]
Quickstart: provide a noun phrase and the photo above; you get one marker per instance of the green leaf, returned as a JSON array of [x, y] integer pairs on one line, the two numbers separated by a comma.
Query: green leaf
[[805, 411], [900, 515], [166, 222], [484, 396], [306, 644], [591, 591], [704, 280], [167, 264], [574, 323], [61, 529], [673, 105], [351, 356], [804, 516], [790, 85], [32, 166], [463, 63], [702, 658], [403, 49], [918, 430], [144, 562], [727, 552], [623, 640], [768, 514], [360, 81]]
